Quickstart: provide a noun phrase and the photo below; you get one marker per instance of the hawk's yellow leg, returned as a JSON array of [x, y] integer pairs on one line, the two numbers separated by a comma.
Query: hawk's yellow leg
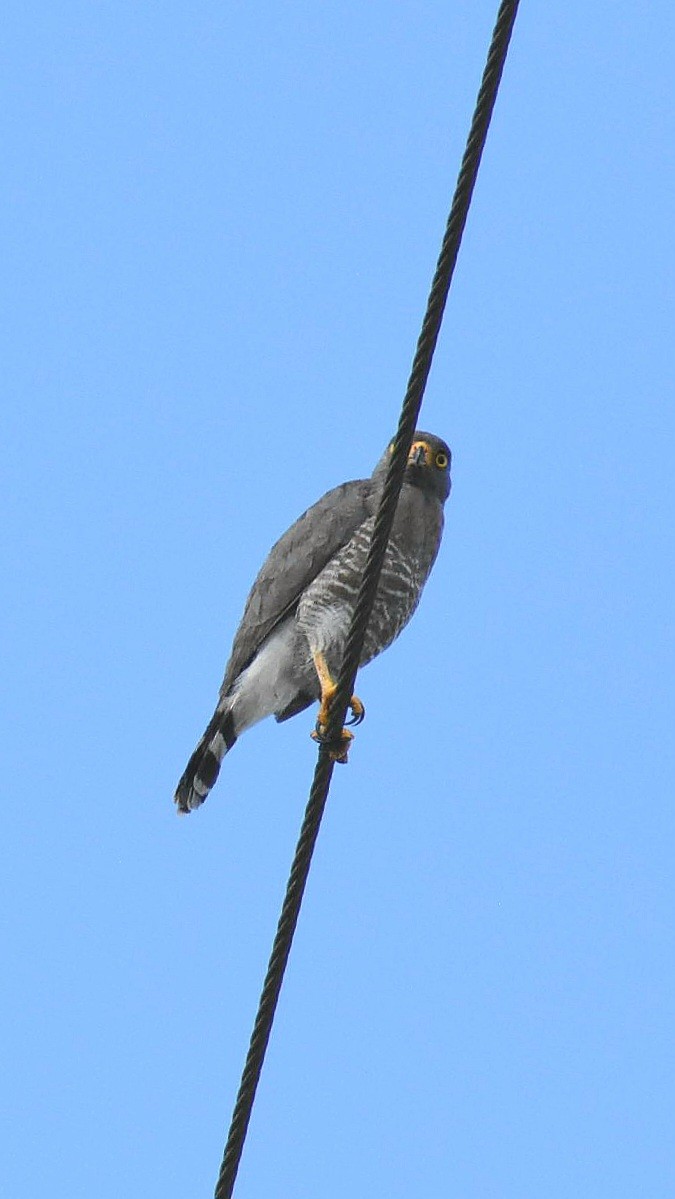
[[339, 751]]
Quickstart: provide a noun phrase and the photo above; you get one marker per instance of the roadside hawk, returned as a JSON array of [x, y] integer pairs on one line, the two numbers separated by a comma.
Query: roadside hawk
[[288, 648]]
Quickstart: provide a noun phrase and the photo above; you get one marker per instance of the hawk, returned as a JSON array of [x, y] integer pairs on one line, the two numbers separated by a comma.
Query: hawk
[[288, 648]]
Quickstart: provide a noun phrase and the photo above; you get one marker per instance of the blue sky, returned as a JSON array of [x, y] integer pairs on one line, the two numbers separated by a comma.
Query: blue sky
[[219, 231]]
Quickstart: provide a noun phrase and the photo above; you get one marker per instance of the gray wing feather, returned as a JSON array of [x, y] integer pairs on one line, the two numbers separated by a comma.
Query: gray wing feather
[[294, 562]]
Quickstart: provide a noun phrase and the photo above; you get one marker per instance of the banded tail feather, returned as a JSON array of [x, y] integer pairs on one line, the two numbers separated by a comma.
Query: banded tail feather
[[203, 768]]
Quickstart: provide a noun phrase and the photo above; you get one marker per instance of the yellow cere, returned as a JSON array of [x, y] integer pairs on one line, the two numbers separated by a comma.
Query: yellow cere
[[422, 445]]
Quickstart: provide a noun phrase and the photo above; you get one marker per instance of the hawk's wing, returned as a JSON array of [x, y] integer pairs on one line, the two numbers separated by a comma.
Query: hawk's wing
[[294, 562]]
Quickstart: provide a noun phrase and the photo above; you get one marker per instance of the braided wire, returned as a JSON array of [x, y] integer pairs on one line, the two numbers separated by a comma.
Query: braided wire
[[383, 524], [269, 996], [423, 358]]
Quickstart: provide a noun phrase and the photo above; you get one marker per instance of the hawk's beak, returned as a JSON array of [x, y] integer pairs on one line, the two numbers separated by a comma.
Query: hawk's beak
[[419, 454]]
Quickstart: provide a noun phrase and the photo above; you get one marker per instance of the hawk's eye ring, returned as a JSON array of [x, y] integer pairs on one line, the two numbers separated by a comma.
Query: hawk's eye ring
[[441, 460]]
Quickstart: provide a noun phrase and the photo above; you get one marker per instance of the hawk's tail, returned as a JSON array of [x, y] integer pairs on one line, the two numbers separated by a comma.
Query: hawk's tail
[[202, 770]]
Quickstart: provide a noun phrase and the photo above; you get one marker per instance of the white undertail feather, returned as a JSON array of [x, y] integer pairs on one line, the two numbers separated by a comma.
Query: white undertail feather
[[267, 686]]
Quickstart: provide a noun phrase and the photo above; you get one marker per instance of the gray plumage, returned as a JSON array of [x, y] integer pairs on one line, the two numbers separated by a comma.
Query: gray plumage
[[302, 601]]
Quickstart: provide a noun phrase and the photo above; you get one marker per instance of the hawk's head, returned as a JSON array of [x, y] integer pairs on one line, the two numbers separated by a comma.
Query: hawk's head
[[428, 464]]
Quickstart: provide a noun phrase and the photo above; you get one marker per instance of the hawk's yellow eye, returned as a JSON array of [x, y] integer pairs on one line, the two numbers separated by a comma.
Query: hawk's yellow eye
[[441, 460]]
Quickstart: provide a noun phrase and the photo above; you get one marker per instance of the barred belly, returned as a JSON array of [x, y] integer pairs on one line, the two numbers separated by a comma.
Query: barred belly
[[325, 609]]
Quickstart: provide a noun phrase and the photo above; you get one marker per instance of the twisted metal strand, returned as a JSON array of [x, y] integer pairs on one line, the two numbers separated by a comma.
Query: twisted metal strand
[[423, 358], [381, 531], [275, 974]]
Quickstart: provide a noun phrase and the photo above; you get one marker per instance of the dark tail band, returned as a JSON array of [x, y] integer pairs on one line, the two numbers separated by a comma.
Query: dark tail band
[[203, 768]]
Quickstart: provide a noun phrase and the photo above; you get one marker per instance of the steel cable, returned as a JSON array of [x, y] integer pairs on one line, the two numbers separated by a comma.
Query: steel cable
[[383, 523]]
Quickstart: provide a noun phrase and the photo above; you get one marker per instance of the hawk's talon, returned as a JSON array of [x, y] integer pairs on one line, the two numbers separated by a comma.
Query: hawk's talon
[[357, 709], [324, 709], [338, 747]]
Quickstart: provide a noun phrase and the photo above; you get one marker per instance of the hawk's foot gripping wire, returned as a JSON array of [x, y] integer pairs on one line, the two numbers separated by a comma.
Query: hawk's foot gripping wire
[[339, 749]]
